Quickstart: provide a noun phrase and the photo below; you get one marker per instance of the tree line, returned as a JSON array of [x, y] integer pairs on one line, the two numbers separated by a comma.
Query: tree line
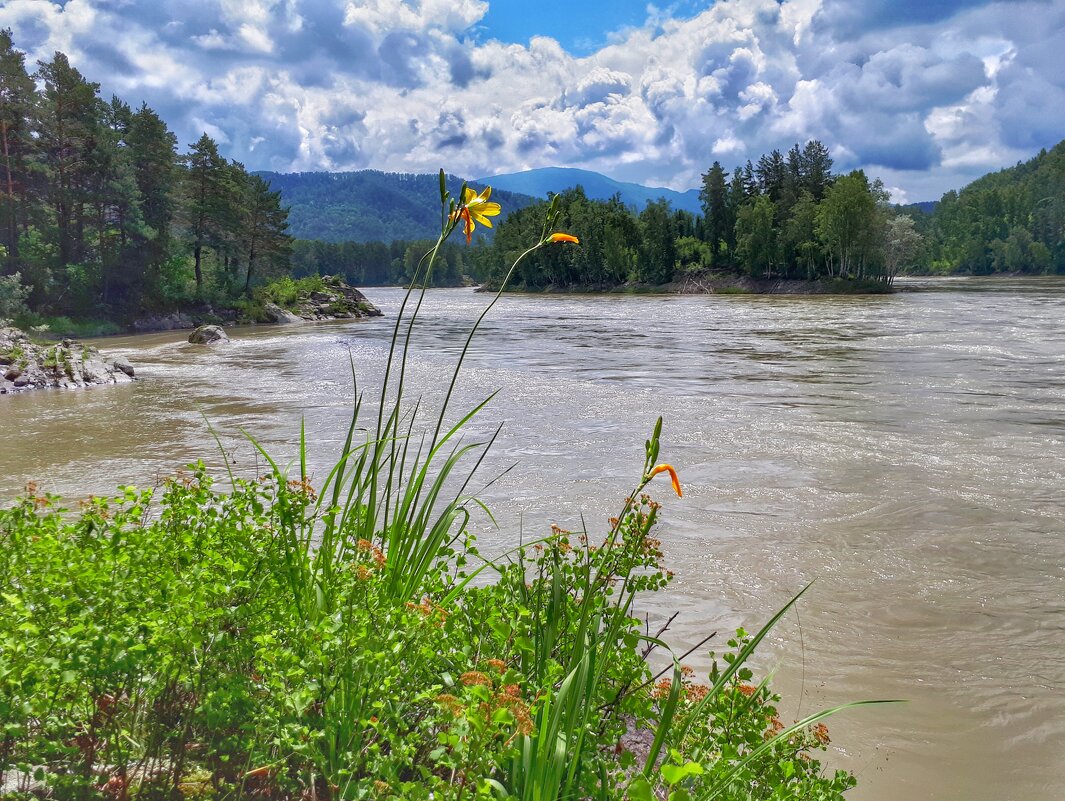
[[101, 216], [782, 217]]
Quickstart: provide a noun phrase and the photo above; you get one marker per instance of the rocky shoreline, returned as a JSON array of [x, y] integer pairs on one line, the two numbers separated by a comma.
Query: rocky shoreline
[[67, 364], [337, 300]]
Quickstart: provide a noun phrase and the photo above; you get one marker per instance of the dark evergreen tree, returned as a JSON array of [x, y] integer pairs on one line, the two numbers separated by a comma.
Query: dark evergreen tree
[[816, 169], [67, 127], [267, 245], [153, 154], [206, 200], [16, 143], [658, 255], [718, 216]]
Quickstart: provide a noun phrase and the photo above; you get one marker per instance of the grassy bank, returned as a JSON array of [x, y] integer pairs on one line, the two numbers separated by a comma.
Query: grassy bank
[[274, 639], [191, 643]]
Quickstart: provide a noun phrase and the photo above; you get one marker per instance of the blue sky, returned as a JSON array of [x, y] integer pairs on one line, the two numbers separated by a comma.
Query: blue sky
[[926, 94], [580, 27]]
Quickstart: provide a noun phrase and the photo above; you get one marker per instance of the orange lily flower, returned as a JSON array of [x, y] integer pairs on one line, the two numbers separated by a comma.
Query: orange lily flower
[[667, 468], [564, 238]]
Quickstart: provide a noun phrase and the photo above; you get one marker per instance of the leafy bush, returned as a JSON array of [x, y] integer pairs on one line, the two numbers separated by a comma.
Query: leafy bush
[[188, 639], [286, 292], [12, 296]]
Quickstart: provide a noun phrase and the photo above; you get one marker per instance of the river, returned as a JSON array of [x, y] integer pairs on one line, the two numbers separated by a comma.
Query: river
[[906, 451]]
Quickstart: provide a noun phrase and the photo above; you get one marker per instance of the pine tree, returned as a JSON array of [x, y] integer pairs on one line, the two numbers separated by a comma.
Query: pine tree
[[116, 202], [659, 251], [264, 225], [717, 216], [816, 169], [67, 127], [153, 152], [16, 141], [205, 201]]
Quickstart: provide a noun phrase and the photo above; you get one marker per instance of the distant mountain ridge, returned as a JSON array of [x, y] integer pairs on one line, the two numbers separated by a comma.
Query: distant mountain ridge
[[376, 206], [369, 205], [540, 182]]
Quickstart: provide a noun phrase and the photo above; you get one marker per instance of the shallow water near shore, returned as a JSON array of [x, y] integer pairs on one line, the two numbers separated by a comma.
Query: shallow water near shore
[[906, 451]]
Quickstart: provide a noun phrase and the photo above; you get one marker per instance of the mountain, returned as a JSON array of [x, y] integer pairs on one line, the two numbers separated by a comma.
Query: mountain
[[596, 186], [1009, 221], [923, 206], [369, 205]]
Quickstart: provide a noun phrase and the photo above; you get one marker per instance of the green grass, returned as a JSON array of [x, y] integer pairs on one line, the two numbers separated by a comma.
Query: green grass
[[270, 639], [44, 327]]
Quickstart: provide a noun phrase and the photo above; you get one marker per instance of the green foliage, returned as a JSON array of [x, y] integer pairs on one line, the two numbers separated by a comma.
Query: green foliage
[[105, 218], [612, 253], [377, 263], [786, 217], [285, 291], [1009, 221], [61, 327], [850, 226], [756, 238], [12, 296], [194, 638]]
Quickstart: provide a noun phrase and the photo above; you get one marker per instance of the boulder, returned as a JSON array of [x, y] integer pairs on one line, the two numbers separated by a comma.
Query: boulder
[[122, 365], [339, 301], [209, 335], [275, 314]]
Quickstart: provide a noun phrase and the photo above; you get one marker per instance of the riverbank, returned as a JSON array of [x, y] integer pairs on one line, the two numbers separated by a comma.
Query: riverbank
[[719, 284], [284, 301]]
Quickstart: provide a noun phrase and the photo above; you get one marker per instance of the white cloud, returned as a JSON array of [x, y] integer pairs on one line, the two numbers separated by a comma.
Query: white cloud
[[411, 85]]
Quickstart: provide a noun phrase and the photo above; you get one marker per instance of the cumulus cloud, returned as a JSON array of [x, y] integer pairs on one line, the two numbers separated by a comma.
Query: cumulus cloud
[[926, 94]]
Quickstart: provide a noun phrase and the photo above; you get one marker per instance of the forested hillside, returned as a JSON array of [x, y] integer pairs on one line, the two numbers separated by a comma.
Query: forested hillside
[[368, 205], [102, 217], [1008, 221]]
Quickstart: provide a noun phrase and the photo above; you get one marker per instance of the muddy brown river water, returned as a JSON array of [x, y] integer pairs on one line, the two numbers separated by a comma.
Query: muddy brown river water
[[907, 452]]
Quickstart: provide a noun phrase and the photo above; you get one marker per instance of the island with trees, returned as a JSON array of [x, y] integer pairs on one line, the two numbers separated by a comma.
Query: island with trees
[[785, 223]]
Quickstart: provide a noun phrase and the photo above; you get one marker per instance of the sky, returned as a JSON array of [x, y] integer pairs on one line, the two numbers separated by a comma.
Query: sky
[[925, 94]]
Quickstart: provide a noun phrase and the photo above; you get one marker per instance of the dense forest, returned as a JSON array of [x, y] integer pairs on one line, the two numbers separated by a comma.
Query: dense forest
[[785, 216], [1011, 221], [378, 263], [369, 205], [102, 217]]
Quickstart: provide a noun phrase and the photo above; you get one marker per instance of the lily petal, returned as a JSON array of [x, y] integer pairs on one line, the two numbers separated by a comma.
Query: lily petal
[[564, 238], [667, 468]]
